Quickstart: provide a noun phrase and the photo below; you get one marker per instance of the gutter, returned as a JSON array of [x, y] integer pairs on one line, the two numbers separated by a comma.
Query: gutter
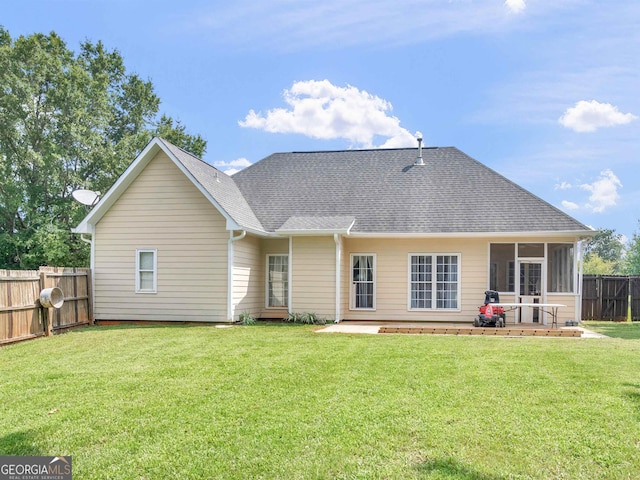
[[232, 239]]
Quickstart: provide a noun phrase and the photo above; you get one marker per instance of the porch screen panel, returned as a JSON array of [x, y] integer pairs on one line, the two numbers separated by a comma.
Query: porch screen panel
[[421, 281], [278, 288], [362, 277], [502, 262], [447, 281], [560, 267]]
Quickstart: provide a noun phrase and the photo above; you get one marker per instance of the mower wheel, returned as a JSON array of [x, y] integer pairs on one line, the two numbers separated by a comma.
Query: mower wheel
[[476, 322]]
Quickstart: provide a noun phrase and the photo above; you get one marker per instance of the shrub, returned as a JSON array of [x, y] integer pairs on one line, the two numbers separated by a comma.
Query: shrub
[[247, 319], [306, 318]]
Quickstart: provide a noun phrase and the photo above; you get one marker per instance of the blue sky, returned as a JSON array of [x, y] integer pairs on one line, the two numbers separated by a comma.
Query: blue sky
[[545, 92]]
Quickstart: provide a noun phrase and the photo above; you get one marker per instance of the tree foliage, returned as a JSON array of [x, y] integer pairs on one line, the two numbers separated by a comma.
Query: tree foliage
[[605, 251], [632, 258], [67, 121], [594, 265]]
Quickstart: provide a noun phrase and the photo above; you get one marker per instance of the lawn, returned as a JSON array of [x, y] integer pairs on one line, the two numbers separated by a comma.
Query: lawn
[[281, 401]]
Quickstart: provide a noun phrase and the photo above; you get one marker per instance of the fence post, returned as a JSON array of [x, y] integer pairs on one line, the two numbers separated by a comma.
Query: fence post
[[47, 316]]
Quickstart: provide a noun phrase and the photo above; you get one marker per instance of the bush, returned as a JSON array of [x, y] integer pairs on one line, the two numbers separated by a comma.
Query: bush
[[247, 319], [306, 318]]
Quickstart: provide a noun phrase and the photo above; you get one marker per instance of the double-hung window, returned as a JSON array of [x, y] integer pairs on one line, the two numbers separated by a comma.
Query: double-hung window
[[434, 281], [277, 281], [146, 271]]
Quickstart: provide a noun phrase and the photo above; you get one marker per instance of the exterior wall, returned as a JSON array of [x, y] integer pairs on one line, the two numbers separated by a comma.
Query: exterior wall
[[248, 277], [314, 278], [392, 278], [271, 246], [162, 209]]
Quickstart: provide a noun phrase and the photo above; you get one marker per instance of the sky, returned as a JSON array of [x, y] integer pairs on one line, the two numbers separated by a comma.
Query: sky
[[545, 92]]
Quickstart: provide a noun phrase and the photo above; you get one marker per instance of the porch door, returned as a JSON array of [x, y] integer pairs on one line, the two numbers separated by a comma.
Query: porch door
[[531, 288], [363, 282]]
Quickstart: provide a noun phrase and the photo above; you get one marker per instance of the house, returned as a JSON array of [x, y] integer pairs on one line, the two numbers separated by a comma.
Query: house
[[401, 234]]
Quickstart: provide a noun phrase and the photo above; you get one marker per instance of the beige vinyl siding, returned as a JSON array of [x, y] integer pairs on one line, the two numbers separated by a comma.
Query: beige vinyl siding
[[162, 210], [392, 278], [248, 277], [314, 278]]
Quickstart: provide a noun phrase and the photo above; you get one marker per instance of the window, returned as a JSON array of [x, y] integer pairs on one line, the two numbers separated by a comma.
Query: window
[[146, 271], [560, 267], [363, 282], [434, 282], [421, 281], [502, 262], [277, 281]]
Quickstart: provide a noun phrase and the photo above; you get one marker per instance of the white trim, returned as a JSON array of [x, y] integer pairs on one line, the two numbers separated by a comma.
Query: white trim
[[230, 263], [338, 240], [290, 279], [266, 282], [351, 282], [434, 292], [154, 288]]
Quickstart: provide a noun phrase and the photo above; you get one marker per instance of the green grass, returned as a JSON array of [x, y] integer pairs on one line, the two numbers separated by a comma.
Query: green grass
[[281, 401], [627, 330]]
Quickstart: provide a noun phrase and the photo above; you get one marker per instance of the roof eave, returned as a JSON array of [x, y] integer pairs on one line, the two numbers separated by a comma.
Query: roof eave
[[529, 234]]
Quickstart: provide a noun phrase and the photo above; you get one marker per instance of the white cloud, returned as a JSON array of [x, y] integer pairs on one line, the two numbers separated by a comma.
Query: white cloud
[[567, 205], [563, 186], [515, 6], [319, 109], [588, 116], [233, 166], [604, 191]]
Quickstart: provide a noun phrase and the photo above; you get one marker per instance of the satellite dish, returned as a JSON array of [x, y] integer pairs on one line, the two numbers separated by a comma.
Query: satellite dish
[[86, 197]]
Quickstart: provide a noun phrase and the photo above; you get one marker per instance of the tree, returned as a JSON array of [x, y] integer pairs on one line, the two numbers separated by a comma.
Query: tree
[[632, 258], [607, 246], [67, 121], [594, 265]]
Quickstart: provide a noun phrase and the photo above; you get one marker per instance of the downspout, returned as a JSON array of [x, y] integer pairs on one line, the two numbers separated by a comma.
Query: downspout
[[93, 273], [578, 305], [290, 276], [337, 239], [232, 239]]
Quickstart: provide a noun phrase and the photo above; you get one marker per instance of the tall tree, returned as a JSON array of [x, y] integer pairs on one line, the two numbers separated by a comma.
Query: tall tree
[[608, 247], [632, 258], [67, 121]]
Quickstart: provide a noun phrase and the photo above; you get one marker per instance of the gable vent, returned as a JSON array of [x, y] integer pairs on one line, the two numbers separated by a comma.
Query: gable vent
[[419, 160]]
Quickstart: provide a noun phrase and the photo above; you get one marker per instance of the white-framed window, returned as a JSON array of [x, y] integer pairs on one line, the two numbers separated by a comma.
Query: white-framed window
[[434, 281], [363, 281], [277, 281], [146, 270]]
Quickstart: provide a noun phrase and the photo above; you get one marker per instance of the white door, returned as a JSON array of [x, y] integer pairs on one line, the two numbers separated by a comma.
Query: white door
[[531, 288]]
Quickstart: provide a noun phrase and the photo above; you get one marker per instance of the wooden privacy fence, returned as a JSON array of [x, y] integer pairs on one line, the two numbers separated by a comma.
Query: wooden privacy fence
[[22, 316], [610, 297]]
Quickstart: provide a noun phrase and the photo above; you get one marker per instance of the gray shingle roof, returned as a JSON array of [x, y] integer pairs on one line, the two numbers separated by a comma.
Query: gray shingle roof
[[317, 224], [220, 186], [386, 193]]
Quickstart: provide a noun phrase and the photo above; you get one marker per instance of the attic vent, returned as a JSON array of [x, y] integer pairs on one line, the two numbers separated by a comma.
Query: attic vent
[[419, 160]]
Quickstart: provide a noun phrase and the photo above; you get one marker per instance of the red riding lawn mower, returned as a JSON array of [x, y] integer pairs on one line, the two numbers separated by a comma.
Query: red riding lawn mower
[[490, 315]]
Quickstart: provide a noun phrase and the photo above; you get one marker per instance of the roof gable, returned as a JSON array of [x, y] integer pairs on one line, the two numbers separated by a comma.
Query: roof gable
[[216, 186]]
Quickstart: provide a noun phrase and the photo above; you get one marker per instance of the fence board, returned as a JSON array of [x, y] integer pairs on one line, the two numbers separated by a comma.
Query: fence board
[[607, 297], [21, 315]]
